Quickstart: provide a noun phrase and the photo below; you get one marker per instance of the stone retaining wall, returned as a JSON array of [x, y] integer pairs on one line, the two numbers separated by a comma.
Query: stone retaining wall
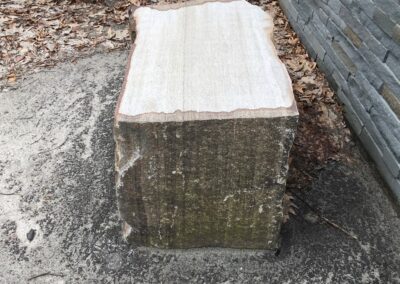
[[356, 43]]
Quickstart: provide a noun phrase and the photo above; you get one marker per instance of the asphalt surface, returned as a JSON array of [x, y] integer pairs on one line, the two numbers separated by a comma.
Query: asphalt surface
[[59, 220]]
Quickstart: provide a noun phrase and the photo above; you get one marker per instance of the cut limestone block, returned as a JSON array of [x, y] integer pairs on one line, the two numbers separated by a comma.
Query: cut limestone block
[[203, 128]]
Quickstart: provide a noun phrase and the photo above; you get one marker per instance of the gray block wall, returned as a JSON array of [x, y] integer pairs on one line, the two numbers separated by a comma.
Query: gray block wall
[[356, 43]]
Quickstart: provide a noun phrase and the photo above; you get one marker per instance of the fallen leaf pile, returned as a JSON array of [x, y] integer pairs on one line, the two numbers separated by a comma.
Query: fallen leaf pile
[[40, 33]]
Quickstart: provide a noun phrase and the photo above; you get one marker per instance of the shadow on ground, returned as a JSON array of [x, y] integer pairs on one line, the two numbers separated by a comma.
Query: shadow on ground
[[57, 178]]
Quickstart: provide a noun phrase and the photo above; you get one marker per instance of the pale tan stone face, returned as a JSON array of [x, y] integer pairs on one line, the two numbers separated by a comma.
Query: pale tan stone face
[[211, 60]]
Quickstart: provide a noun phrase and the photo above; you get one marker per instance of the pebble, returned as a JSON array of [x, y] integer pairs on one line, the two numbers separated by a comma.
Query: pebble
[[31, 235]]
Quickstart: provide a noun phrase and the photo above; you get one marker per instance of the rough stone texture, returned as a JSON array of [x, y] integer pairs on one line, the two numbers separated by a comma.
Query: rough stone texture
[[204, 183], [57, 156], [356, 44], [202, 157], [392, 99]]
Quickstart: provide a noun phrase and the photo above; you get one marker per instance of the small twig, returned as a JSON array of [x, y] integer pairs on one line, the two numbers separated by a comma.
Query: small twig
[[25, 118], [45, 274], [334, 225], [305, 173], [37, 123], [37, 140], [326, 220], [11, 193], [54, 148]]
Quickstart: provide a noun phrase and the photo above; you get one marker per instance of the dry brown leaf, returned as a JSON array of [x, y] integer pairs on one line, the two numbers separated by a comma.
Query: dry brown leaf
[[288, 206], [110, 33], [298, 88], [308, 80], [108, 44], [42, 32], [11, 78], [121, 35]]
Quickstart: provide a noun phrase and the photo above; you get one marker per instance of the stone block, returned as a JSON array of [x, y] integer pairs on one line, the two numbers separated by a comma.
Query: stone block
[[380, 68], [334, 18], [333, 28], [333, 83], [347, 3], [320, 32], [368, 6], [392, 100], [394, 64], [384, 116], [203, 129], [394, 184], [333, 51], [339, 80], [389, 156], [375, 46], [363, 90], [375, 104], [350, 113], [305, 11], [310, 40], [359, 101], [366, 121], [354, 7], [391, 8], [392, 163], [370, 25], [386, 40], [391, 45], [354, 38], [383, 21], [289, 10], [396, 34], [366, 69], [373, 149], [389, 133], [322, 16], [335, 5], [325, 64], [350, 67], [342, 56]]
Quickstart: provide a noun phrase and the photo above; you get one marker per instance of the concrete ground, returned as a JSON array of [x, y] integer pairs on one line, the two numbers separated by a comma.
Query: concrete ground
[[57, 178]]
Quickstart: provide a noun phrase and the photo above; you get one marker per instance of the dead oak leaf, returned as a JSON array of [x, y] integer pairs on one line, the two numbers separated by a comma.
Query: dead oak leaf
[[121, 35], [110, 33], [11, 78], [308, 80], [298, 88]]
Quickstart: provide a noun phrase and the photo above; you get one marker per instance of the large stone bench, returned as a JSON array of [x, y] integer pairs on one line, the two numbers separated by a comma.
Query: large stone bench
[[203, 128]]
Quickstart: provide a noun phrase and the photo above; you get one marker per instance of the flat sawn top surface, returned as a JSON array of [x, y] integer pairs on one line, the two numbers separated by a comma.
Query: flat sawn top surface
[[213, 60]]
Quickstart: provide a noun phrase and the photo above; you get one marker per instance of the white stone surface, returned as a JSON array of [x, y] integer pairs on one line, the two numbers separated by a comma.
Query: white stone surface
[[212, 60]]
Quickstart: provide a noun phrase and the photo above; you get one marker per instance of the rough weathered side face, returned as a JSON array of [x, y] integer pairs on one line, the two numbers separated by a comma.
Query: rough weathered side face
[[203, 128], [203, 183]]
